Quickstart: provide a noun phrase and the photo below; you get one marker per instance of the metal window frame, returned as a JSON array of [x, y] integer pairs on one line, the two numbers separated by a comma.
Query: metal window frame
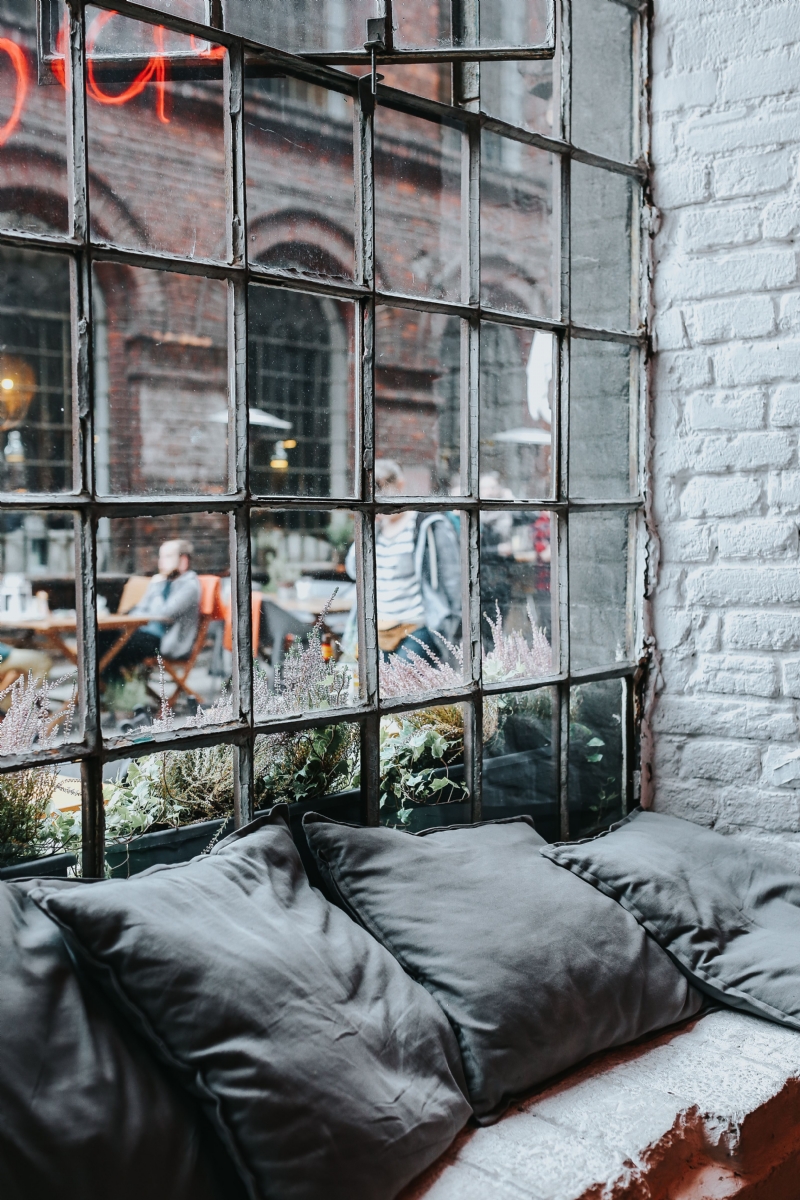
[[91, 750]]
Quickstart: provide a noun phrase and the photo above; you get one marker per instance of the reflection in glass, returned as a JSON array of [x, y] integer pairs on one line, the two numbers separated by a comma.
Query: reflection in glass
[[517, 390], [418, 397], [417, 206], [161, 382], [33, 104], [418, 589], [518, 244], [305, 637], [602, 382], [513, 22], [422, 769], [38, 630], [599, 551], [156, 144], [431, 80], [596, 784], [602, 77], [301, 393], [301, 26], [300, 194], [161, 592], [501, 23], [520, 771], [516, 564], [35, 372], [601, 208], [521, 93]]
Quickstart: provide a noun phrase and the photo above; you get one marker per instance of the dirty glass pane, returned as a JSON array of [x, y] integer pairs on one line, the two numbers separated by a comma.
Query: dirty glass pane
[[517, 565], [38, 632], [595, 756], [305, 633], [603, 205], [422, 769], [513, 22], [431, 80], [517, 384], [301, 25], [33, 107], [35, 372], [418, 397], [418, 588], [521, 93], [423, 25], [315, 768], [599, 551], [300, 193], [40, 822], [602, 77], [155, 140], [417, 206], [161, 586], [161, 382], [501, 22], [518, 238], [520, 771], [301, 393], [602, 409]]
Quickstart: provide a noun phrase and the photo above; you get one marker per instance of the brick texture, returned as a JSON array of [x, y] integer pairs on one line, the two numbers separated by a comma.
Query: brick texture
[[723, 726]]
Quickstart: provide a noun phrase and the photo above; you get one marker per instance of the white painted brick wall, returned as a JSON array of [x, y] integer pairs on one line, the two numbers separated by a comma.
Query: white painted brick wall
[[723, 734]]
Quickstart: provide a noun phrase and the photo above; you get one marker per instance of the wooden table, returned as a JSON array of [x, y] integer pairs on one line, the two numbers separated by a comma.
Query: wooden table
[[53, 630], [312, 604]]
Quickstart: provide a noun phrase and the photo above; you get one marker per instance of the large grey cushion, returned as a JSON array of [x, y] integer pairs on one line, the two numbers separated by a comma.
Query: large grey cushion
[[727, 913], [327, 1071], [85, 1112], [534, 969]]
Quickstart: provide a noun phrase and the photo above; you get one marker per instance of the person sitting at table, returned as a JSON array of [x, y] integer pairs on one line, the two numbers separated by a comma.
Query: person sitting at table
[[15, 662], [172, 600]]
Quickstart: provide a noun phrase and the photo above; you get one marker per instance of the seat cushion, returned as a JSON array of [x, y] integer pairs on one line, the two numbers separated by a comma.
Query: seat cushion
[[85, 1111], [327, 1071], [724, 909], [534, 969]]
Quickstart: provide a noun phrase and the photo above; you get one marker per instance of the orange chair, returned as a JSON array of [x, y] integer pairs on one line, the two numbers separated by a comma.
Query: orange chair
[[255, 612], [178, 669]]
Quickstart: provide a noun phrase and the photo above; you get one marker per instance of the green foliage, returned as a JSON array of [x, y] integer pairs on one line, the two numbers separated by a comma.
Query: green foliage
[[416, 755], [303, 765]]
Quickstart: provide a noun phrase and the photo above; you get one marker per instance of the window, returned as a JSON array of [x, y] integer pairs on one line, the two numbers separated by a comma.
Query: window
[[359, 318]]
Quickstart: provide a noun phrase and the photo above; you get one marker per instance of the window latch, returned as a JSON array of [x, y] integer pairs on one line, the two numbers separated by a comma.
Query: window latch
[[376, 40]]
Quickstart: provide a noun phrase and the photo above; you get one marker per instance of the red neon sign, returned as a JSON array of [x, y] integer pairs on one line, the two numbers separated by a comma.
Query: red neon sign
[[20, 66], [156, 67]]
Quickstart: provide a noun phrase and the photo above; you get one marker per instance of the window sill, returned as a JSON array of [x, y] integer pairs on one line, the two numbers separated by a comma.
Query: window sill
[[707, 1112]]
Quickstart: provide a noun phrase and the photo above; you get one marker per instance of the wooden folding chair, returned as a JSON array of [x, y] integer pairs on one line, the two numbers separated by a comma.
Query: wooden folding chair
[[255, 612], [133, 591], [178, 669]]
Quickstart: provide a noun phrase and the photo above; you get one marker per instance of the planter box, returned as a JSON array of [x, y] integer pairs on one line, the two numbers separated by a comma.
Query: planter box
[[51, 866], [187, 841]]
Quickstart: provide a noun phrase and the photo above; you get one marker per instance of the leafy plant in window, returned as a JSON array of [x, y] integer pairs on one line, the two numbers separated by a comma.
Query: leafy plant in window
[[28, 828]]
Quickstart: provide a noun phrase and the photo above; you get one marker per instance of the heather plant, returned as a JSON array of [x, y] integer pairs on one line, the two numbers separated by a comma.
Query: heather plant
[[27, 826]]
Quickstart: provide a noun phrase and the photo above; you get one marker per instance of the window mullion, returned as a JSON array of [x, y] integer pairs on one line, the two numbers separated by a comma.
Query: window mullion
[[561, 422]]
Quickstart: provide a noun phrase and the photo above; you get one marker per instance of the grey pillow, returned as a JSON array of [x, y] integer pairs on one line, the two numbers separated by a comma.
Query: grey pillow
[[327, 1071], [534, 970], [725, 911], [85, 1113]]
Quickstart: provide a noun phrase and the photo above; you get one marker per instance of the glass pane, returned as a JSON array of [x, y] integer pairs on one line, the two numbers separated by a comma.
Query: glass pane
[[595, 756], [161, 382], [301, 393], [418, 588], [35, 372], [38, 631], [40, 821], [521, 93], [431, 80], [33, 109], [520, 771], [422, 769], [301, 25], [518, 243], [602, 77], [603, 392], [418, 397], [417, 206], [422, 25], [517, 389], [599, 553], [156, 145], [602, 207], [516, 603], [161, 592], [300, 194], [514, 22], [320, 765], [306, 644]]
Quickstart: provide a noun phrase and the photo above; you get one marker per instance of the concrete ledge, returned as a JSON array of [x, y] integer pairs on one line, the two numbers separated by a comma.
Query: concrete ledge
[[706, 1112]]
